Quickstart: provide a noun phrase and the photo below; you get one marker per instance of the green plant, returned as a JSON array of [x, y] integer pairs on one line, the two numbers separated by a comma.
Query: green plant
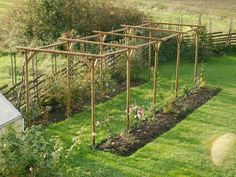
[[201, 82], [43, 21], [137, 114], [106, 124], [33, 155], [168, 107]]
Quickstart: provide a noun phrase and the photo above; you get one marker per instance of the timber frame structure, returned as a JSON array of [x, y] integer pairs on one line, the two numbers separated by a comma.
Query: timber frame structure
[[92, 60]]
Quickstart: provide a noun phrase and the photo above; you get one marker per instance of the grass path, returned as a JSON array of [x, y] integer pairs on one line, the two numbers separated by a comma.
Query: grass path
[[183, 151]]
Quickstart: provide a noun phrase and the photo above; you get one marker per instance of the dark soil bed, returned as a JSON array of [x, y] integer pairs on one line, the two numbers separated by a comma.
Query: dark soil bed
[[126, 145]]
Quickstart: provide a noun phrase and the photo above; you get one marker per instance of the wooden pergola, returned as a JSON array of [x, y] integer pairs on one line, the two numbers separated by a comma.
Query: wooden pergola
[[92, 60]]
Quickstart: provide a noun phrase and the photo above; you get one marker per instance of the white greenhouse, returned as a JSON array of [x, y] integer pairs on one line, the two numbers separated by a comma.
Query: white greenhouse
[[9, 116]]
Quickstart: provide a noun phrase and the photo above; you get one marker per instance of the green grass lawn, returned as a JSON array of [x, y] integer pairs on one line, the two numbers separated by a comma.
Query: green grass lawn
[[184, 151]]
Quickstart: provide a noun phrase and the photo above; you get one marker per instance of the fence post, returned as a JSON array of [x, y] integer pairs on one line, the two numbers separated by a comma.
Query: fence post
[[210, 22], [230, 30], [27, 93]]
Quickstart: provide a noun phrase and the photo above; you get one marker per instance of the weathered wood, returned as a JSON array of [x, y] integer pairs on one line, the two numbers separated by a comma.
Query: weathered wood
[[27, 95], [129, 36], [101, 67], [153, 29], [196, 56], [93, 104], [128, 73], [149, 56], [179, 40], [156, 48], [59, 52], [69, 83], [174, 24], [97, 43], [3, 87]]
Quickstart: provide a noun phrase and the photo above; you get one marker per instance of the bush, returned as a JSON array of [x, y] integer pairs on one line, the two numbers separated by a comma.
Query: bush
[[81, 87], [43, 21], [33, 155]]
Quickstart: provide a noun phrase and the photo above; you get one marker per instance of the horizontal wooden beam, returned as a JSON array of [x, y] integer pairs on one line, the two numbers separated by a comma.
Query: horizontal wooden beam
[[152, 29], [127, 35], [146, 44], [174, 24], [97, 43], [116, 52], [59, 52]]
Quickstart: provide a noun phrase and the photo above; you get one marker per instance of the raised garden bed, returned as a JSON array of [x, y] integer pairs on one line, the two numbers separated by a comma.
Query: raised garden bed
[[127, 144]]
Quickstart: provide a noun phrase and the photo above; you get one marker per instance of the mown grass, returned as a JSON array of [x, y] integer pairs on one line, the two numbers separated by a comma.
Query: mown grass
[[183, 151]]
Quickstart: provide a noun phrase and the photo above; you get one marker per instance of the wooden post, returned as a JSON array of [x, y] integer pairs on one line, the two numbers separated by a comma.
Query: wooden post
[[14, 56], [12, 69], [210, 22], [149, 57], [200, 19], [128, 73], [230, 30], [52, 64], [196, 55], [55, 63], [93, 105], [101, 39], [27, 94], [69, 100], [156, 48], [179, 40], [36, 75]]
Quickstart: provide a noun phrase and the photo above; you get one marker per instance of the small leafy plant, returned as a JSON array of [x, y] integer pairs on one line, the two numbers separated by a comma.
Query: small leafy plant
[[137, 114]]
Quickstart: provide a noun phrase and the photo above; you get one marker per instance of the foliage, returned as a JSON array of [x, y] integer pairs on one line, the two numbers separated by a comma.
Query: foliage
[[137, 114], [43, 21], [106, 124], [81, 87], [33, 155], [138, 63], [188, 47], [201, 82]]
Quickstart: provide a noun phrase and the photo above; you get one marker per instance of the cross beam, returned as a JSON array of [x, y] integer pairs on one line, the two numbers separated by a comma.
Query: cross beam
[[152, 29], [97, 43], [127, 35], [173, 24]]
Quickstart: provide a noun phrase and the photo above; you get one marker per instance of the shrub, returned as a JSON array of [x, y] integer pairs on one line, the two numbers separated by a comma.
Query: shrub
[[81, 87], [33, 155], [43, 21]]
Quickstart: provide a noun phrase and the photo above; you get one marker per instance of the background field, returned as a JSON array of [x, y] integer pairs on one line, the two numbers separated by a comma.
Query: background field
[[172, 10]]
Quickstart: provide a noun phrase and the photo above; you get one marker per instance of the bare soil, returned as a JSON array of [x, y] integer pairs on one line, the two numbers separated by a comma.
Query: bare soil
[[127, 144]]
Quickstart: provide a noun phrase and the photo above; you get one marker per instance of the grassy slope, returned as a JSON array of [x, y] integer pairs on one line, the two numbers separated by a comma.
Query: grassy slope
[[183, 151], [172, 10], [4, 6]]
